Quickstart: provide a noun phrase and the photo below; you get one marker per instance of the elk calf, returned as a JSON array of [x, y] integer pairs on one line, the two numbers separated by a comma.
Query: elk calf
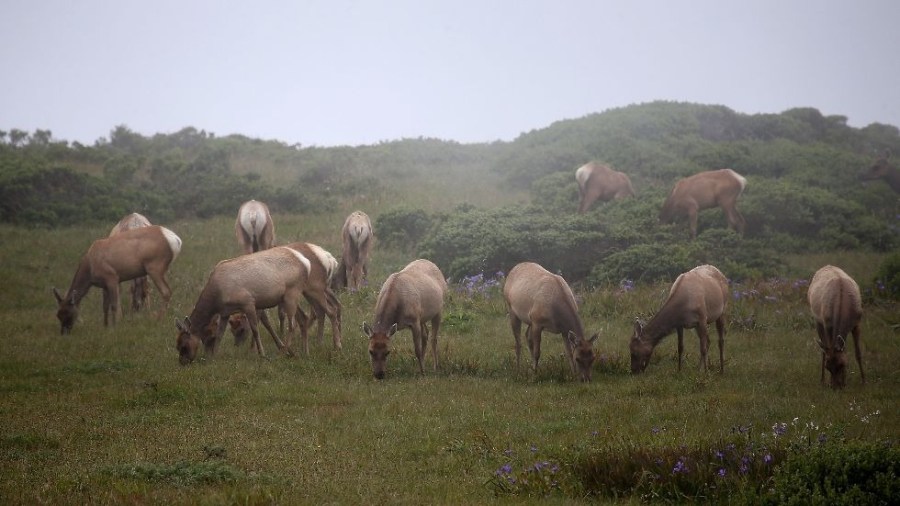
[[544, 301], [697, 298], [409, 299], [836, 305]]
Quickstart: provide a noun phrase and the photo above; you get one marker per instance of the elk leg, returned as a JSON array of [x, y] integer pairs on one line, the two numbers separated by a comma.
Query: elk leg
[[333, 310], [856, 337], [680, 331], [435, 327], [106, 304], [820, 330], [703, 332], [416, 328], [569, 351], [735, 219], [516, 325], [165, 293], [253, 322], [535, 332], [720, 329]]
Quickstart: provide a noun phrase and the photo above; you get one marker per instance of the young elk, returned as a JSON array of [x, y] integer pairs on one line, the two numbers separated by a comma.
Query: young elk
[[358, 239], [254, 227], [836, 305], [140, 290], [882, 169], [544, 301], [408, 299], [696, 298], [246, 284], [715, 188], [146, 251], [600, 182]]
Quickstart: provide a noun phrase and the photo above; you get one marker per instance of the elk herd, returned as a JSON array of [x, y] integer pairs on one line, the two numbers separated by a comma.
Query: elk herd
[[239, 290]]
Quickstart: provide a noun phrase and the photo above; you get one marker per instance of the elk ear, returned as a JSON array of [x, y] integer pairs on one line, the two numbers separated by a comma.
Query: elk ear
[[572, 337], [59, 298], [594, 337], [179, 325], [392, 330], [367, 330], [638, 327]]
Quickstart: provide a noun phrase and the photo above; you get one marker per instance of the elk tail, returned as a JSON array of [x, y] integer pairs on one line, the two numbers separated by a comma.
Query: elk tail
[[255, 235]]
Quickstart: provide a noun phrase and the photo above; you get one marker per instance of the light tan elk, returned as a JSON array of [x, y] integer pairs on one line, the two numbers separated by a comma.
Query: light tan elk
[[544, 301], [247, 284], [836, 305], [409, 299], [600, 182], [358, 238], [714, 188], [254, 227], [697, 298], [146, 251], [140, 290], [883, 169], [316, 292]]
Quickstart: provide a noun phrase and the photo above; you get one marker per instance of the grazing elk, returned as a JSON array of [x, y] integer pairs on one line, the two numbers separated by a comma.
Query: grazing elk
[[254, 227], [358, 239], [145, 251], [317, 292], [544, 301], [697, 298], [140, 290], [600, 182], [883, 169], [836, 305], [714, 188], [247, 284], [410, 299]]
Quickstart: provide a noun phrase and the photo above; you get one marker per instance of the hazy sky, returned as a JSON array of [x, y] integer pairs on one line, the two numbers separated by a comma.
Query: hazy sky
[[340, 72]]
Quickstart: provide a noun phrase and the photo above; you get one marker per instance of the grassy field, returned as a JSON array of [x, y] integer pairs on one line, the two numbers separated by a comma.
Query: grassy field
[[106, 415]]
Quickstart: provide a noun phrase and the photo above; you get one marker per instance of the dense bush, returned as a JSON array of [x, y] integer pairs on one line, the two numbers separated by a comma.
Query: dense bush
[[888, 277], [402, 227]]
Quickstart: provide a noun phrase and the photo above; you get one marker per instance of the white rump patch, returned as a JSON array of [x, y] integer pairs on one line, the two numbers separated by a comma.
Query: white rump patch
[[326, 259], [741, 179], [250, 214], [174, 241], [582, 174], [301, 257]]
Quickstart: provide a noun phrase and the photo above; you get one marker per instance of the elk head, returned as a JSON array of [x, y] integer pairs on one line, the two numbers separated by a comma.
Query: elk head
[[640, 349], [835, 360], [583, 354], [186, 343], [67, 311], [379, 348]]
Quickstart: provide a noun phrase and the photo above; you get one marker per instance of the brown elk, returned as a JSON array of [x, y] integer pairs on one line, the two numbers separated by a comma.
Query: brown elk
[[358, 238], [714, 188], [697, 298], [410, 299], [836, 305], [600, 182], [145, 251], [247, 284], [317, 292], [544, 301], [254, 227], [140, 290], [883, 169]]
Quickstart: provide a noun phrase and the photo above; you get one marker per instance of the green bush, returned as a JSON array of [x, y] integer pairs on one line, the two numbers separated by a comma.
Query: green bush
[[402, 227], [887, 280]]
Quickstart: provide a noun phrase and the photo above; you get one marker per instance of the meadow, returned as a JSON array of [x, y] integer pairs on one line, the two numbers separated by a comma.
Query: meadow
[[107, 416]]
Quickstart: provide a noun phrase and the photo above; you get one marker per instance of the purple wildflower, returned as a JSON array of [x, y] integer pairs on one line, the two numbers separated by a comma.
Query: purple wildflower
[[767, 458], [719, 455], [680, 467], [722, 472], [533, 449], [505, 469]]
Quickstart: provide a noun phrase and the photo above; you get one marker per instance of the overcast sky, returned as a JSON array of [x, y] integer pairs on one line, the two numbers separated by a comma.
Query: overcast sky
[[339, 72]]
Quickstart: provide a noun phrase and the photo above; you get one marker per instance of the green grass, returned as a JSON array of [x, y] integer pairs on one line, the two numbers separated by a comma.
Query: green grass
[[106, 415]]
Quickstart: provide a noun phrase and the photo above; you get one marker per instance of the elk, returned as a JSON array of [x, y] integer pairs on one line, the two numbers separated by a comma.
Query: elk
[[254, 227], [598, 181], [140, 290], [316, 291], [247, 284], [714, 188], [358, 239], [697, 297], [836, 305], [410, 299], [544, 301], [883, 169], [145, 251]]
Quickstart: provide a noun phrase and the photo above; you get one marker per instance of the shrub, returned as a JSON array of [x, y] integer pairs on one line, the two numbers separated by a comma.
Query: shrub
[[887, 279], [402, 227]]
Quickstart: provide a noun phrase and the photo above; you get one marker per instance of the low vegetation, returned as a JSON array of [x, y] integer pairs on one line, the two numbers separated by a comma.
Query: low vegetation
[[106, 415]]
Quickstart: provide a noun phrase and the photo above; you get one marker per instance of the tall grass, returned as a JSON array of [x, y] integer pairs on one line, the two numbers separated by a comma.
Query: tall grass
[[106, 415]]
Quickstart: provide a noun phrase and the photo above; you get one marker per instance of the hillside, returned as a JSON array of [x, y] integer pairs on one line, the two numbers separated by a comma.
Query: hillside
[[484, 207]]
